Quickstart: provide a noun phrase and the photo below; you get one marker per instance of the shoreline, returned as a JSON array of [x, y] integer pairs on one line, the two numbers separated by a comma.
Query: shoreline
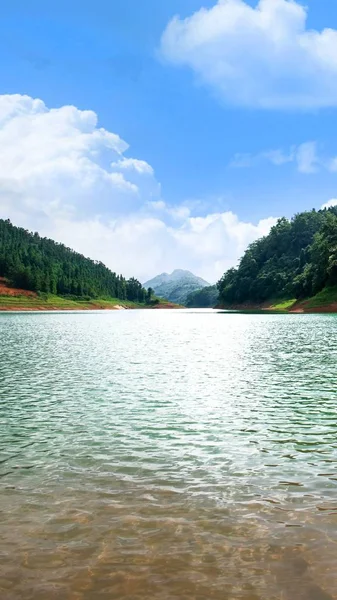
[[58, 308], [298, 308], [46, 309], [38, 308], [14, 299]]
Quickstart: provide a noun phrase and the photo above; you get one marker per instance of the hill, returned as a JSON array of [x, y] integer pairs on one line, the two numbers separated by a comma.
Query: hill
[[296, 261], [207, 297], [176, 286], [55, 276]]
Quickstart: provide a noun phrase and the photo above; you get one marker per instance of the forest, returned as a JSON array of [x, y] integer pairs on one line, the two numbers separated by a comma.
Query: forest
[[39, 264], [297, 259], [206, 297]]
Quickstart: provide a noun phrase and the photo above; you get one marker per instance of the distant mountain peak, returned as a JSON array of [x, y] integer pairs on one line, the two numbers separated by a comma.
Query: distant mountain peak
[[177, 285], [182, 273]]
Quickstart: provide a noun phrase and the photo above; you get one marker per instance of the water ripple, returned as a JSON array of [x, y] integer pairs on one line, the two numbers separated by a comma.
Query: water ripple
[[168, 454]]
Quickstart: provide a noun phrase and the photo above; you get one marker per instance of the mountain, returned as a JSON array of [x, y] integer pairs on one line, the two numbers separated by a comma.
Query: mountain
[[296, 260], [176, 286], [31, 262]]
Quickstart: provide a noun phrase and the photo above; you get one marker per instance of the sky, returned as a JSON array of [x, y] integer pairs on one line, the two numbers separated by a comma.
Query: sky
[[168, 134]]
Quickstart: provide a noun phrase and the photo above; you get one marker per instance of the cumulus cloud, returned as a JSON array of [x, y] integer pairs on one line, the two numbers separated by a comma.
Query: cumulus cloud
[[62, 175], [140, 166], [262, 56], [329, 204], [145, 245]]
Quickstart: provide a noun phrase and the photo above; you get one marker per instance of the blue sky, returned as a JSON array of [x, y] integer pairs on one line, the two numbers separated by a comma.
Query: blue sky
[[250, 144]]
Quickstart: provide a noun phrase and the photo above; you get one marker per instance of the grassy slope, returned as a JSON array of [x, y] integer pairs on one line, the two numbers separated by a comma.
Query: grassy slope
[[324, 301], [22, 303], [59, 303], [12, 299], [283, 305]]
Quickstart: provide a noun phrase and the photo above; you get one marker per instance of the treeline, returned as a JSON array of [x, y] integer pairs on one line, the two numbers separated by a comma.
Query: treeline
[[207, 297], [296, 260], [39, 264]]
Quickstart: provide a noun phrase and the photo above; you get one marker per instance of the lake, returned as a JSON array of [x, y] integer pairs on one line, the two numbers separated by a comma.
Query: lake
[[168, 455]]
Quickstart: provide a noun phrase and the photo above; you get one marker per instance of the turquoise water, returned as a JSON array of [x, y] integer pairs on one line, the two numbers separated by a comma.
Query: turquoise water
[[168, 455]]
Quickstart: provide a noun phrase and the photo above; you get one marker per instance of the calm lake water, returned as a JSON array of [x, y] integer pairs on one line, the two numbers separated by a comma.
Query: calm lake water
[[168, 455]]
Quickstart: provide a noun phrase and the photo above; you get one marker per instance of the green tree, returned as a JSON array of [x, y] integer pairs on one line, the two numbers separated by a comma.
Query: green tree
[[297, 258], [40, 264], [149, 295]]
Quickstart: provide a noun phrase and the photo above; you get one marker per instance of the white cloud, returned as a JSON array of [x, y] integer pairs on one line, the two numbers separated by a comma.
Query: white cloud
[[145, 245], [53, 158], [261, 57], [305, 156], [331, 164], [56, 178], [158, 205], [329, 204], [279, 158], [178, 213], [307, 159], [276, 157], [141, 166]]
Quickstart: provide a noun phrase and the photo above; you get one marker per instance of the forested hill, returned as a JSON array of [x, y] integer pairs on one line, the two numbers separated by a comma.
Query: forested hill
[[207, 297], [39, 264], [297, 259]]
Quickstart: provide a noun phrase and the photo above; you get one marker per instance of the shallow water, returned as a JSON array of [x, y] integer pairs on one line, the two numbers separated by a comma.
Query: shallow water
[[168, 455]]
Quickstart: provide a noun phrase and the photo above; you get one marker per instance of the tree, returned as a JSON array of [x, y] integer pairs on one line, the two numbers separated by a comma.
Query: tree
[[297, 258], [40, 264], [149, 295]]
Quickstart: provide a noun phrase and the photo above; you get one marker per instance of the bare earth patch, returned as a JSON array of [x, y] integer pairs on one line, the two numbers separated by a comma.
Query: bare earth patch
[[7, 290]]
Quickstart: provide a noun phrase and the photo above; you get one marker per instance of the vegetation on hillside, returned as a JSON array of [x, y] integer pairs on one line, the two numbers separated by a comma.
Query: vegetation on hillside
[[39, 264], [48, 302], [297, 259], [207, 297]]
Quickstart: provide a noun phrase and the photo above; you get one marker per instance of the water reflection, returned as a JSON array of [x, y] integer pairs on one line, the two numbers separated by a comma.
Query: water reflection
[[168, 455]]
